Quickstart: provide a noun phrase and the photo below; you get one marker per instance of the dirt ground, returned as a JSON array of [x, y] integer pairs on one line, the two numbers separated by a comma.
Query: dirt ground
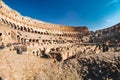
[[28, 67]]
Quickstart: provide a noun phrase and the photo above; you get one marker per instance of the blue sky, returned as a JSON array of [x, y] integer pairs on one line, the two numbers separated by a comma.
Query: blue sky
[[95, 14]]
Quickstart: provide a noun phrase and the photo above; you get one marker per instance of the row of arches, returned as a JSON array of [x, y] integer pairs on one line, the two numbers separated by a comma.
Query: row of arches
[[40, 42], [31, 30]]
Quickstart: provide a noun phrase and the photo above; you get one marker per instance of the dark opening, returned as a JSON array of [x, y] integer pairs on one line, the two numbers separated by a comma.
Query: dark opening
[[0, 34]]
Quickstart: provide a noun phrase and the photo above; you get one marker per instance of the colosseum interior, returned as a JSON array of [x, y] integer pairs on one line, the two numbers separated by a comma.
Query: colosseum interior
[[35, 37]]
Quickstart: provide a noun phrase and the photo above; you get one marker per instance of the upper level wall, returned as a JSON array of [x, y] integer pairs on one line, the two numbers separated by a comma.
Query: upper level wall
[[112, 29], [82, 29], [13, 15]]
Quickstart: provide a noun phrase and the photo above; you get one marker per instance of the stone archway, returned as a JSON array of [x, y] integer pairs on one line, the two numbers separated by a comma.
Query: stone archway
[[11, 24], [22, 40], [35, 31], [25, 41], [6, 21], [14, 26], [30, 40], [3, 20], [28, 29], [25, 29], [32, 31], [18, 39], [18, 27], [39, 32], [42, 33], [21, 28]]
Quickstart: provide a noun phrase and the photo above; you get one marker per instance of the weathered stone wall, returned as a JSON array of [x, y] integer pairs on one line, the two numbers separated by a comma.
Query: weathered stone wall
[[109, 34], [34, 33], [16, 17], [82, 29]]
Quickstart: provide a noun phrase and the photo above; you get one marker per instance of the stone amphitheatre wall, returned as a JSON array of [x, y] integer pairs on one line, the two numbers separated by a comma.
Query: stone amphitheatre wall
[[109, 30], [111, 33], [17, 18], [18, 29]]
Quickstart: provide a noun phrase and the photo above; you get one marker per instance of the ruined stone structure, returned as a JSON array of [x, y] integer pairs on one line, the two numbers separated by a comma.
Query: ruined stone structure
[[111, 33], [35, 34]]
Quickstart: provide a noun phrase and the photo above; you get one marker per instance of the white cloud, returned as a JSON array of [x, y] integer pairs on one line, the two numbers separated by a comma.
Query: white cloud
[[112, 2], [111, 20], [114, 18]]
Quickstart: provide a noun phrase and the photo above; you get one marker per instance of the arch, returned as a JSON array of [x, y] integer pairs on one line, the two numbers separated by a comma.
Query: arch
[[3, 20], [30, 40], [35, 31], [37, 40], [0, 34], [14, 26], [18, 27], [44, 33], [25, 41], [53, 40], [68, 34], [6, 21], [21, 28], [22, 40], [28, 30], [47, 33], [32, 31], [18, 38], [50, 41], [47, 43], [65, 34], [11, 24], [41, 43], [33, 40], [25, 29], [60, 34], [39, 32]]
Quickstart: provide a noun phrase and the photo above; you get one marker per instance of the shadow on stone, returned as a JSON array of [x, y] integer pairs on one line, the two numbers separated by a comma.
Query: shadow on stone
[[0, 78]]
